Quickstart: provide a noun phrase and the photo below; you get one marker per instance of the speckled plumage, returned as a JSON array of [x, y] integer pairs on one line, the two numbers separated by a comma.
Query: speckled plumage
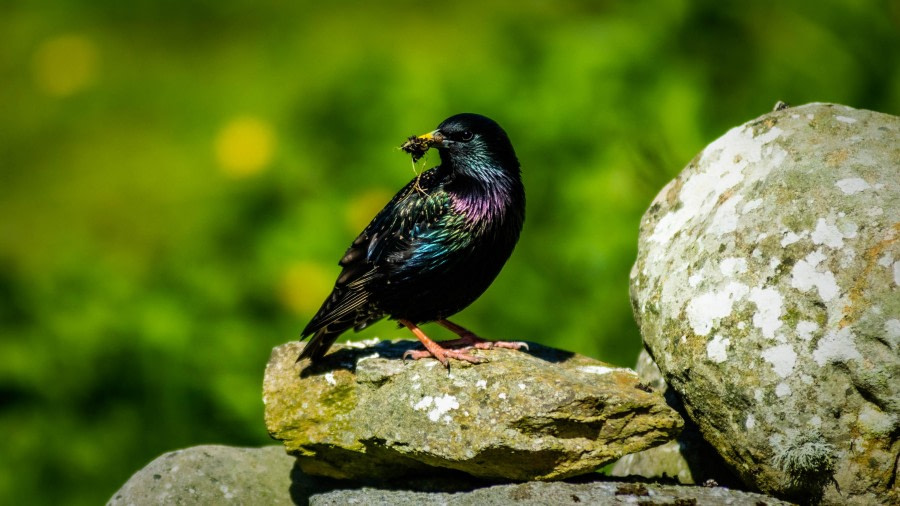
[[438, 244]]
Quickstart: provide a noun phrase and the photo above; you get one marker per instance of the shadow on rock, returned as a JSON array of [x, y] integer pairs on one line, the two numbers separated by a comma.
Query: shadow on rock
[[303, 486], [346, 358]]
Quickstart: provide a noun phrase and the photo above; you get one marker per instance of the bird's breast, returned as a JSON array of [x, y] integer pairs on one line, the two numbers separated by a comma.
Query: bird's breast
[[484, 208]]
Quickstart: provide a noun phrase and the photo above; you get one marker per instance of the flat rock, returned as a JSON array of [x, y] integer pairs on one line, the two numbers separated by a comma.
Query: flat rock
[[214, 474], [543, 414], [542, 493], [766, 291]]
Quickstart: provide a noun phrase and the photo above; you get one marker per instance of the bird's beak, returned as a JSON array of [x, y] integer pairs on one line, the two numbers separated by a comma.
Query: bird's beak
[[433, 139], [417, 146]]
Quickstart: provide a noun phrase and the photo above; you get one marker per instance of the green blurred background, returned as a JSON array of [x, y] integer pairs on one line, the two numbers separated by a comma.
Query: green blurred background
[[179, 179]]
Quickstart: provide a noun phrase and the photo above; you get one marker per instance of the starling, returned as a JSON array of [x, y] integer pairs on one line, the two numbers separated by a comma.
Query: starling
[[435, 247]]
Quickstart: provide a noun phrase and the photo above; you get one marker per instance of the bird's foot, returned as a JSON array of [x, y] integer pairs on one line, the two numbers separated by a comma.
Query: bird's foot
[[470, 340], [436, 350], [443, 356], [510, 345], [455, 348]]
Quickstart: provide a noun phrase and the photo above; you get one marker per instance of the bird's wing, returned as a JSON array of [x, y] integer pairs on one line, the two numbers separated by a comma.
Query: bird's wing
[[393, 236], [397, 232]]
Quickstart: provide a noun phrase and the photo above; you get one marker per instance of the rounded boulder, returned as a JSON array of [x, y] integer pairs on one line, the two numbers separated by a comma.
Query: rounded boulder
[[766, 291]]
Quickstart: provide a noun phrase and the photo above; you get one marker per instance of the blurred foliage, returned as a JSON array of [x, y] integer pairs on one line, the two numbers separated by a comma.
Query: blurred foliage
[[179, 179]]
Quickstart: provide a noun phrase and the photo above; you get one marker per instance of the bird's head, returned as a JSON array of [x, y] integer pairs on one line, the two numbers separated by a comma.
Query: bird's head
[[469, 143]]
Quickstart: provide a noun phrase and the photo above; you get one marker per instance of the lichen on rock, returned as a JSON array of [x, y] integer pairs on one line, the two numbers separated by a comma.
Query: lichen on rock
[[766, 291], [542, 414]]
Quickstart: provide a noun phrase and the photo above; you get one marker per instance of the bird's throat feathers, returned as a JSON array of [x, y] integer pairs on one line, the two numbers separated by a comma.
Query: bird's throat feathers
[[487, 200]]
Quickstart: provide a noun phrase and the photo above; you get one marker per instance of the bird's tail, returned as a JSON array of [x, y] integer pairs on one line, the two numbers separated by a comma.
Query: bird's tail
[[319, 344]]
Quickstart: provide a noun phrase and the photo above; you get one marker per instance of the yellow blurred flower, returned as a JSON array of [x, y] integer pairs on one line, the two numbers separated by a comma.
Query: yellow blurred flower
[[64, 65], [304, 286], [244, 146]]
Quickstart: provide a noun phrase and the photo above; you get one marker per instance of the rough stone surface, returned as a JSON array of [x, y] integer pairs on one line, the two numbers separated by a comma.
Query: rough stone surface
[[688, 458], [215, 474], [543, 414], [211, 474], [766, 291], [543, 493]]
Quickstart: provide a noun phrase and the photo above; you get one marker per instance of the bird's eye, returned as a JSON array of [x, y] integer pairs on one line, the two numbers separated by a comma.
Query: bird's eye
[[466, 135]]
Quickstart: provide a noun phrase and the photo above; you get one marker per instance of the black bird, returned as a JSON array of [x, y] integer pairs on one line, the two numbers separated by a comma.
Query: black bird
[[435, 247]]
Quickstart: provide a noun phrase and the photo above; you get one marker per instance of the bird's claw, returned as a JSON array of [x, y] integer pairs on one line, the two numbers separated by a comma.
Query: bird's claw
[[510, 345], [444, 356]]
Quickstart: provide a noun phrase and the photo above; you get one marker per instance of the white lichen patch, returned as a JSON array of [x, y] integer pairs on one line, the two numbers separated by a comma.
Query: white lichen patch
[[831, 235], [852, 185], [750, 422], [805, 329], [775, 157], [601, 369], [836, 346], [364, 343], [424, 403], [695, 280], [367, 357], [782, 357], [441, 406], [769, 307], [725, 221], [752, 205], [808, 274], [329, 378], [481, 384], [790, 238], [502, 395], [733, 265], [725, 161], [782, 389], [845, 119], [827, 234], [717, 349], [897, 273], [875, 421], [704, 310]]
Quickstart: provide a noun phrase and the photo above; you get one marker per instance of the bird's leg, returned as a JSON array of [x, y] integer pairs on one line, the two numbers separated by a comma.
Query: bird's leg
[[468, 339], [433, 349]]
